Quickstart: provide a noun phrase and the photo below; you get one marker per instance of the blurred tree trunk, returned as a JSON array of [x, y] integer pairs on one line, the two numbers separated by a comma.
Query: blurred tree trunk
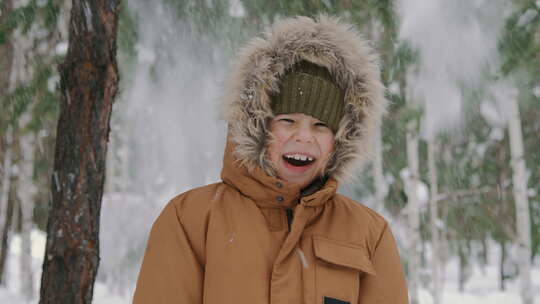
[[378, 173], [411, 182], [413, 210], [25, 192], [519, 180], [89, 83], [6, 50], [502, 262], [462, 277], [434, 220], [5, 219], [10, 215], [378, 170], [6, 59]]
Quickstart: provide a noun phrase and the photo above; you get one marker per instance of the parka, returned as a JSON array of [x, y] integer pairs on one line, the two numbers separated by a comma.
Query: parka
[[254, 238]]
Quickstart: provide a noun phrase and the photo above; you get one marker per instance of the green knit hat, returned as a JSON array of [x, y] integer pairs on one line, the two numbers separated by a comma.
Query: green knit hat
[[310, 89]]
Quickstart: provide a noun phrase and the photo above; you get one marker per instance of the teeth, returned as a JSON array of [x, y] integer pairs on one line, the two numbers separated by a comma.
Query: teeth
[[299, 157]]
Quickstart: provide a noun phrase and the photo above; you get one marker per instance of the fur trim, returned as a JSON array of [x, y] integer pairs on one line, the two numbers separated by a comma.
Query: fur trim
[[325, 41]]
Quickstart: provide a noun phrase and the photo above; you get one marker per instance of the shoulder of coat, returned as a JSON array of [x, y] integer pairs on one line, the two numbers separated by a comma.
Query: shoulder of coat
[[360, 212], [197, 200]]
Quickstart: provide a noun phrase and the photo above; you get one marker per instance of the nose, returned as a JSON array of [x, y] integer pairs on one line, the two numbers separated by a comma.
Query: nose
[[304, 134]]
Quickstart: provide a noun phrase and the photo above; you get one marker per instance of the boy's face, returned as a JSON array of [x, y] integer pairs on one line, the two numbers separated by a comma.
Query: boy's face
[[299, 147]]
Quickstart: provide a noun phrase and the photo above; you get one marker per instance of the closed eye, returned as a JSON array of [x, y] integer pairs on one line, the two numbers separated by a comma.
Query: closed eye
[[286, 120], [321, 124]]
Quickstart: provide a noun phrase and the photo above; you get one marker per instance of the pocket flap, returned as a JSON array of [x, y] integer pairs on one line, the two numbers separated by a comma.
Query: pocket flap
[[342, 254]]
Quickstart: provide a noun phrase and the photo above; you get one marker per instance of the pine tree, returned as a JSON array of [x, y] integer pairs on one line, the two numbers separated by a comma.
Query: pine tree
[[89, 82]]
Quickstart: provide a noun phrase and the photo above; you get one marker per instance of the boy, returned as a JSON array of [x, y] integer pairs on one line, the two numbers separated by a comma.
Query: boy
[[301, 108]]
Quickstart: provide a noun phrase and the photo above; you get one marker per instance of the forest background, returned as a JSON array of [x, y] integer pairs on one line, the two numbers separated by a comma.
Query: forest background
[[456, 170]]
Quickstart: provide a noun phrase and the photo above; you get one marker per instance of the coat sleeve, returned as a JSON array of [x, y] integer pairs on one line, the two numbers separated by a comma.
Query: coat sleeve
[[388, 285], [170, 271]]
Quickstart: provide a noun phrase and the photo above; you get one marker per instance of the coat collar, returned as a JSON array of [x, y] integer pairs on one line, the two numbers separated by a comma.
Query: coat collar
[[268, 191]]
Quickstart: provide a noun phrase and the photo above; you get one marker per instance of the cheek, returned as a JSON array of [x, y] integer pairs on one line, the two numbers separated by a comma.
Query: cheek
[[275, 145], [327, 145], [273, 150]]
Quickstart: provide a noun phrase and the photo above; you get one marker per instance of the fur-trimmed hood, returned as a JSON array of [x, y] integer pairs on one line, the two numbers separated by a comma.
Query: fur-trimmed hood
[[327, 42]]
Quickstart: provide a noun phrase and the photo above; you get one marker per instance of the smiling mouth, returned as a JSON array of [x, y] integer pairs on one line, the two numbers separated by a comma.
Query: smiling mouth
[[298, 160]]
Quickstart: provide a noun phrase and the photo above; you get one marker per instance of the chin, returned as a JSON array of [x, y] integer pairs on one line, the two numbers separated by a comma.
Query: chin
[[303, 179], [302, 182]]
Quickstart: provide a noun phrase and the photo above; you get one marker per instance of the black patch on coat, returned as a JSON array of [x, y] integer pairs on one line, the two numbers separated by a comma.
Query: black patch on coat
[[328, 300]]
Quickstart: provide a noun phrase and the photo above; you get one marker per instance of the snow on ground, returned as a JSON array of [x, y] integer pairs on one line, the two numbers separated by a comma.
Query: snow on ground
[[12, 293], [482, 286]]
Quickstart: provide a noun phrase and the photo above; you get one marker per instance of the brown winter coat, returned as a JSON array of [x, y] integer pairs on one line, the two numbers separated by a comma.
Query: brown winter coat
[[229, 243], [253, 238]]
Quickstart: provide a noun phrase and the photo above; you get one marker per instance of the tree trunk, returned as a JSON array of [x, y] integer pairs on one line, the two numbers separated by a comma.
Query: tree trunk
[[502, 261], [519, 180], [89, 83], [378, 174], [25, 193], [6, 175], [6, 60], [10, 214], [462, 265], [6, 49], [4, 200], [5, 210], [413, 209], [434, 216]]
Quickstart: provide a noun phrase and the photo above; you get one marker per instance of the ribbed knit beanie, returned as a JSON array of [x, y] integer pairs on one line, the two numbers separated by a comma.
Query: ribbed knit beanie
[[310, 89]]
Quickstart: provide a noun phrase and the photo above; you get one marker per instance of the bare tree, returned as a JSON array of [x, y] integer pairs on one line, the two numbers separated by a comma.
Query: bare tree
[[378, 173], [4, 201], [436, 265], [6, 86], [25, 192], [519, 180], [411, 188], [89, 83]]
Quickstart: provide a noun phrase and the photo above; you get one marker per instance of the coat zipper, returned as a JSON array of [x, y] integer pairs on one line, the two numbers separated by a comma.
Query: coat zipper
[[290, 216]]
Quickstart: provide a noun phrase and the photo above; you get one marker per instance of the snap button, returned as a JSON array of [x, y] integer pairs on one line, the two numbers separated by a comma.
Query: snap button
[[280, 198], [279, 184]]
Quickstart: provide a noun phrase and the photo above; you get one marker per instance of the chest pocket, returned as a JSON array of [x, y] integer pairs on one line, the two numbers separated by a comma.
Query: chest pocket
[[338, 268]]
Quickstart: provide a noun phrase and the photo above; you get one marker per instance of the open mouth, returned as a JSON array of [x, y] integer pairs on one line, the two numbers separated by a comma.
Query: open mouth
[[298, 160]]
